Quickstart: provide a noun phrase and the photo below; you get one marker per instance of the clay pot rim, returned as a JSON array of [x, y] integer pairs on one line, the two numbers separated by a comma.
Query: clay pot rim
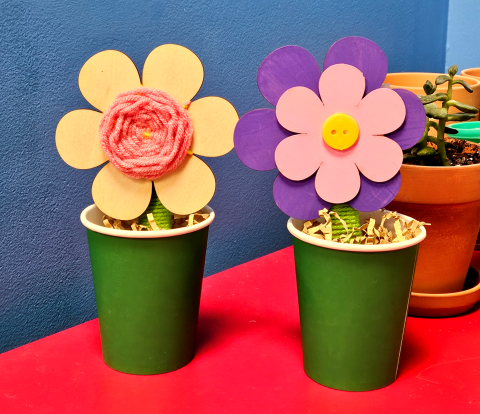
[[360, 248], [88, 215], [430, 168], [464, 72], [455, 87]]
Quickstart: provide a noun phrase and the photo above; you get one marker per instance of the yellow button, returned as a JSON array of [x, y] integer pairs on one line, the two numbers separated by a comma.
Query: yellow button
[[340, 131]]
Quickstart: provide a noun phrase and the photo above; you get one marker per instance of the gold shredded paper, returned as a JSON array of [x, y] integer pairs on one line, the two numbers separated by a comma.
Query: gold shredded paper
[[321, 228], [153, 223], [179, 221]]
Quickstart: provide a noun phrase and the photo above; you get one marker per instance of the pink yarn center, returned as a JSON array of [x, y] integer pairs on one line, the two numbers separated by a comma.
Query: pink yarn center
[[146, 133]]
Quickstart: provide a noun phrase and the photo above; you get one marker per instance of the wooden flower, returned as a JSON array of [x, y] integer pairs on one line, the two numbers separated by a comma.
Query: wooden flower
[[148, 130]]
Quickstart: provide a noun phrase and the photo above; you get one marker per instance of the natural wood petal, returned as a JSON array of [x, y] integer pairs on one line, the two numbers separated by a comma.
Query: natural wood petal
[[77, 139], [119, 196], [105, 75], [187, 189], [214, 121], [175, 70]]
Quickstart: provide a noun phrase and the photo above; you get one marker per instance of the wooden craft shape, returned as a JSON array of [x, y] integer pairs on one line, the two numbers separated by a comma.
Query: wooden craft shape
[[177, 71]]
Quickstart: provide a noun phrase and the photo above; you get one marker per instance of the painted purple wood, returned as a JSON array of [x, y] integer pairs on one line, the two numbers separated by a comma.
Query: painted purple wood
[[364, 55], [256, 137], [373, 196], [413, 127], [285, 68], [298, 199]]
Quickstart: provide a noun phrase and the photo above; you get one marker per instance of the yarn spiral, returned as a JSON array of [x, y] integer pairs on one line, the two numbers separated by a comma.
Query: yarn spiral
[[145, 133]]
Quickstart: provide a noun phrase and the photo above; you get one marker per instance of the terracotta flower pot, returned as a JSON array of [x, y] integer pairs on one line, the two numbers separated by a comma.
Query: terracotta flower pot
[[449, 199], [414, 81]]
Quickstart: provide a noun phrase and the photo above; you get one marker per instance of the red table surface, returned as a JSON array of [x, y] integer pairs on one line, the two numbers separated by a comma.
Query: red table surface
[[248, 360]]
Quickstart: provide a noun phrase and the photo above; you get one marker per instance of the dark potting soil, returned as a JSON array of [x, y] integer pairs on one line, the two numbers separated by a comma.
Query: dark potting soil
[[459, 152]]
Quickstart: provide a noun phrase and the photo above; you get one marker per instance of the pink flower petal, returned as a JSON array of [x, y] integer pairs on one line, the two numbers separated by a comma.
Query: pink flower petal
[[341, 86], [380, 112], [300, 110], [378, 158], [337, 181], [298, 157]]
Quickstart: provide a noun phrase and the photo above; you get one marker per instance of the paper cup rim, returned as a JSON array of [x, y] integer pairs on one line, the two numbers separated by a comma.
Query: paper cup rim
[[85, 218], [376, 248]]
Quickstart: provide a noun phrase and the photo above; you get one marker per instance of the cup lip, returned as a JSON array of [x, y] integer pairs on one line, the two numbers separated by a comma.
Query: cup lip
[[143, 234], [356, 247]]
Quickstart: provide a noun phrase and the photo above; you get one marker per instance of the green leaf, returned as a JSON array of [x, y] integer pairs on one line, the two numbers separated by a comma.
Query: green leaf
[[442, 79], [467, 87], [426, 151], [433, 124], [435, 97], [429, 88], [463, 107], [460, 117], [433, 112], [410, 150], [452, 70]]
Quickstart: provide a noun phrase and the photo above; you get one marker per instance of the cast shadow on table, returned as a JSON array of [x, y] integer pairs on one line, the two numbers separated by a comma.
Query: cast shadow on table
[[219, 328], [213, 329], [413, 354]]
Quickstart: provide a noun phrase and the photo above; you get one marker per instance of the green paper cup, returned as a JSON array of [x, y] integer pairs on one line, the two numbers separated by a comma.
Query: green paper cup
[[353, 302], [147, 288]]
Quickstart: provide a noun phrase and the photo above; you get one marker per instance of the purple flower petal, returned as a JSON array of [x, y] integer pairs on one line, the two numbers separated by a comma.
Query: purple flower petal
[[256, 137], [362, 53], [285, 68], [413, 127], [298, 199], [373, 196]]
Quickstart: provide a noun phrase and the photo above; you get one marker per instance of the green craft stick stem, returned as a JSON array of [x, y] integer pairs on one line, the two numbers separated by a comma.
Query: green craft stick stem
[[349, 215], [162, 216]]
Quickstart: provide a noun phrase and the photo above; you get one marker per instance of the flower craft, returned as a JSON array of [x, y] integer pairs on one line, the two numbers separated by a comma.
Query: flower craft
[[148, 131], [335, 137]]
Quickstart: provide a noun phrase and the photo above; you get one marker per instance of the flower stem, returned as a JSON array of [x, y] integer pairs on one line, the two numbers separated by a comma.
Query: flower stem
[[162, 216], [349, 215]]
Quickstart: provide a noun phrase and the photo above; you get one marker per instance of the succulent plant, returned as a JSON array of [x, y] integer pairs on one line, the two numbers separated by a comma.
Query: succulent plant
[[422, 150]]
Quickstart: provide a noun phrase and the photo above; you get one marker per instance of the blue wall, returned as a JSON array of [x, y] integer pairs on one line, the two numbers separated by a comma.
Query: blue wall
[[463, 41], [45, 283]]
